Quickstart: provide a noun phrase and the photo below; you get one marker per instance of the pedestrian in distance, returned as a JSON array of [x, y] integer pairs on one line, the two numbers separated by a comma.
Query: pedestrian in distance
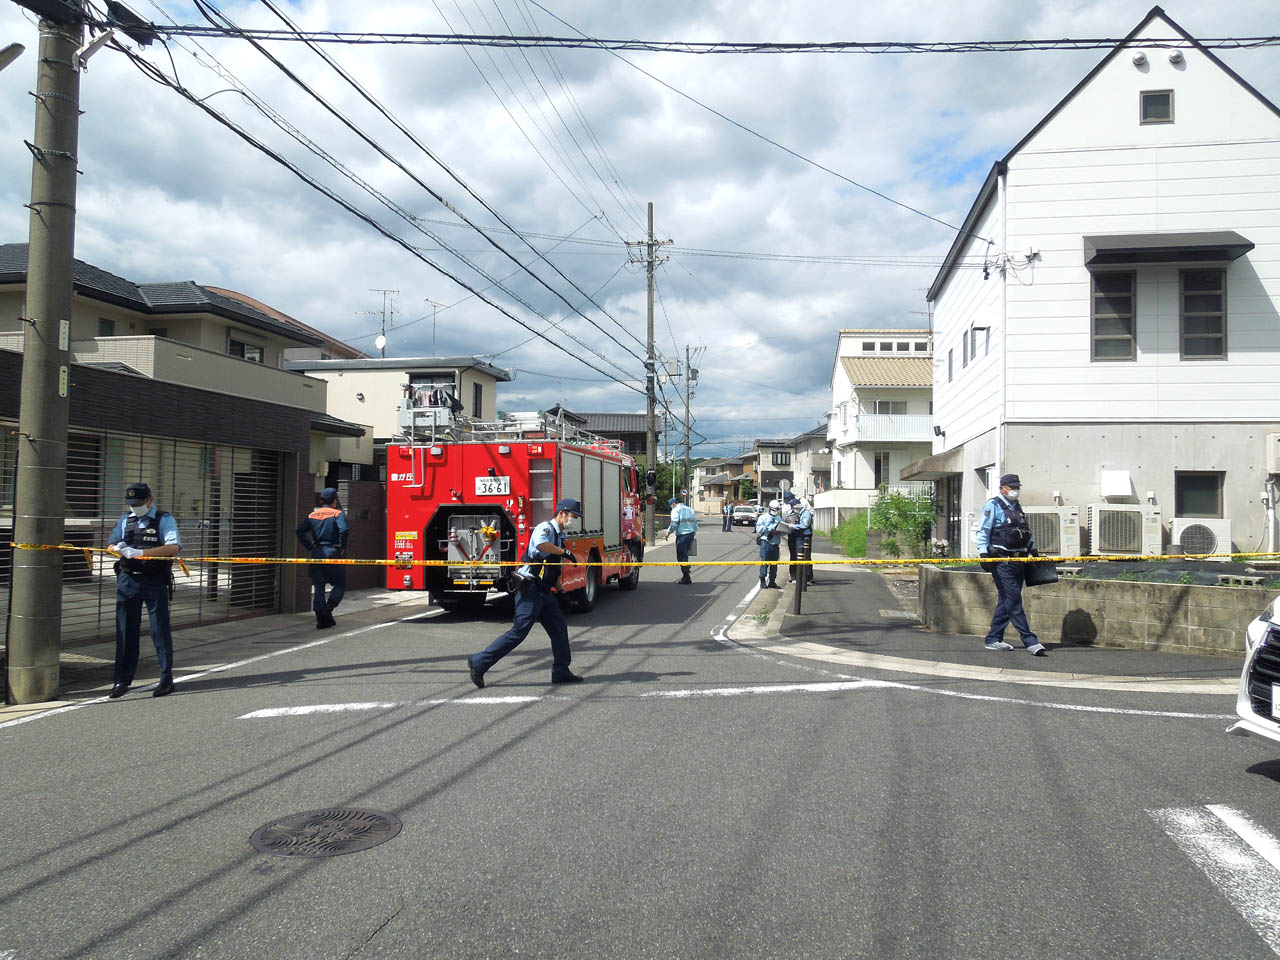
[[684, 524], [726, 519], [323, 534], [534, 601], [1004, 532], [146, 541], [769, 537]]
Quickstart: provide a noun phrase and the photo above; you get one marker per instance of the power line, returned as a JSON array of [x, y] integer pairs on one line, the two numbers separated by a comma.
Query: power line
[[156, 75], [704, 47]]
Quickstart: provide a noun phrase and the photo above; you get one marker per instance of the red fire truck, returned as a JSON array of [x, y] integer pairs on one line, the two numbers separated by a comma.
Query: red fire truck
[[474, 492]]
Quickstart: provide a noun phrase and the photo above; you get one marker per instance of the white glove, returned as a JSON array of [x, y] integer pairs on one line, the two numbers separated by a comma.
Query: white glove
[[129, 553], [117, 547]]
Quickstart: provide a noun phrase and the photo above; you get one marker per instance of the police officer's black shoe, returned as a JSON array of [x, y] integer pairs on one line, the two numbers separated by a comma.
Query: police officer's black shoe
[[476, 676], [118, 691], [164, 687], [566, 678]]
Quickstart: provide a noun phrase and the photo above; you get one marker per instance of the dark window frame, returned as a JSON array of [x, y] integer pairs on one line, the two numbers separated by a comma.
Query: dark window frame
[[1142, 100], [245, 347], [1182, 315], [1094, 336], [950, 364], [1180, 510], [477, 400], [108, 324], [781, 458], [868, 346]]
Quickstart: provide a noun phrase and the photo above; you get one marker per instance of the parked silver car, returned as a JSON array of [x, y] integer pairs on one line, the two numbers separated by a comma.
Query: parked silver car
[[1258, 698]]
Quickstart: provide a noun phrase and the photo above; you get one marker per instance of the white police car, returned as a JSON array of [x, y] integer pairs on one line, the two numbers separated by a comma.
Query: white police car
[[1258, 699]]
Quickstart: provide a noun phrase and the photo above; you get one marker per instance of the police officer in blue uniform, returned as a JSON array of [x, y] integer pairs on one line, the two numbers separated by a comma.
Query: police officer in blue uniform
[[535, 602], [146, 540], [323, 534], [684, 524], [769, 537], [800, 537], [1005, 532]]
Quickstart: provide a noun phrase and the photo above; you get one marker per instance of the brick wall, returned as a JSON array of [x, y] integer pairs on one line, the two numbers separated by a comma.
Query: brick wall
[[1117, 613]]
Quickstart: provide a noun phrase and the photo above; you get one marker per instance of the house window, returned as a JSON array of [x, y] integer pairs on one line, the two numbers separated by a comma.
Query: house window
[[964, 350], [904, 347], [1203, 305], [477, 401], [973, 342], [882, 468], [106, 328], [869, 346], [921, 347], [245, 351], [162, 332], [1156, 106], [950, 364], [844, 414], [886, 345], [891, 406], [1113, 302], [987, 349], [782, 458], [1197, 494]]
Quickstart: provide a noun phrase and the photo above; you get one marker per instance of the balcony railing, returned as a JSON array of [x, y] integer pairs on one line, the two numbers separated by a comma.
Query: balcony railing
[[893, 428]]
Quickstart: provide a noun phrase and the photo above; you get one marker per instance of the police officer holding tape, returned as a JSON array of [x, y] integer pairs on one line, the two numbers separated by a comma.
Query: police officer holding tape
[[534, 600], [1005, 532], [146, 540]]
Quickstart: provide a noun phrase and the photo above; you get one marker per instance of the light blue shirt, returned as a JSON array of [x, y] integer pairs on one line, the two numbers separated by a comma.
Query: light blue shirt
[[546, 532], [683, 520], [768, 524], [993, 515], [168, 527], [805, 523]]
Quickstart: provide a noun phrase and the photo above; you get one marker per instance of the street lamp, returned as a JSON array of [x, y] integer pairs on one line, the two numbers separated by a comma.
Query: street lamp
[[10, 53]]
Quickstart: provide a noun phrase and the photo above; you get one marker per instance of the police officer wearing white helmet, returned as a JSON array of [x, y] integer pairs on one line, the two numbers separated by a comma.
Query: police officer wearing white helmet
[[770, 538]]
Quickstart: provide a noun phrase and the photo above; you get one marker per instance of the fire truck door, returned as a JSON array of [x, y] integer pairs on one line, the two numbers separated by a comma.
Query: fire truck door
[[592, 513], [612, 504]]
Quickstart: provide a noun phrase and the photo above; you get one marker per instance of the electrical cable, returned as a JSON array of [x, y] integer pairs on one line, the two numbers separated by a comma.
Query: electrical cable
[[159, 77], [413, 138]]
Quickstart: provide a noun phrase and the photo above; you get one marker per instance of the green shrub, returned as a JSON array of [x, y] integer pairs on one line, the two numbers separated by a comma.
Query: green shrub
[[890, 548], [907, 519], [851, 535]]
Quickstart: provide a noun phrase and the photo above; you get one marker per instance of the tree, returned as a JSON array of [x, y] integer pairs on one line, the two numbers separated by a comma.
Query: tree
[[747, 490]]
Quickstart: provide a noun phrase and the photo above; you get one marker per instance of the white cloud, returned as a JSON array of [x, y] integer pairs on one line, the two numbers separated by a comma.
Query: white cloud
[[168, 194]]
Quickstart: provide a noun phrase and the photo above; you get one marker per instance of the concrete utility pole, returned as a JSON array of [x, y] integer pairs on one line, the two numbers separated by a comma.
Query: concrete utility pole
[[35, 626], [650, 387], [688, 381]]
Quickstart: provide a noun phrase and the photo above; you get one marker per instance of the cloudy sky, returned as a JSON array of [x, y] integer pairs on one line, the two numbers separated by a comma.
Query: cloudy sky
[[568, 146]]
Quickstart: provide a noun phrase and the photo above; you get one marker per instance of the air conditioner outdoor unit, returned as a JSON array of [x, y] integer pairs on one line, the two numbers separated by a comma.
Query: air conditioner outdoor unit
[[1055, 530], [1122, 529], [1196, 535]]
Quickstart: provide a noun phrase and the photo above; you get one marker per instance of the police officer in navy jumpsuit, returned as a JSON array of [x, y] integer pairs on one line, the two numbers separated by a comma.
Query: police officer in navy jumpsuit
[[323, 534], [145, 539], [535, 602]]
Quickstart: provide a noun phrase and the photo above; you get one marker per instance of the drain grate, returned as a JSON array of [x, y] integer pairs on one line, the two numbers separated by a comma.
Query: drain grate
[[325, 833]]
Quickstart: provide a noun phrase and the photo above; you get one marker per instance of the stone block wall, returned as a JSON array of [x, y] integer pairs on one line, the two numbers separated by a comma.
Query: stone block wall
[[1149, 616]]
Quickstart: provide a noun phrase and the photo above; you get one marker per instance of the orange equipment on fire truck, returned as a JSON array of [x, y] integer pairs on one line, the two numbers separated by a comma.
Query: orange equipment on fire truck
[[467, 492]]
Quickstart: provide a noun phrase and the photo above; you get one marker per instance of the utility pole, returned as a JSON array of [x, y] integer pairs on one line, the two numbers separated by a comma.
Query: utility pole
[[650, 260], [381, 340], [689, 374], [35, 626]]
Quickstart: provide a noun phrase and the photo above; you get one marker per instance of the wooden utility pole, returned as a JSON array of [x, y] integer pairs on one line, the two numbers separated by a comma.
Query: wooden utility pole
[[35, 625]]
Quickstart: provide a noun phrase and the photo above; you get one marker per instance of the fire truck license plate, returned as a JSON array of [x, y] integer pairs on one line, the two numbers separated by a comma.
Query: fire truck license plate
[[493, 486]]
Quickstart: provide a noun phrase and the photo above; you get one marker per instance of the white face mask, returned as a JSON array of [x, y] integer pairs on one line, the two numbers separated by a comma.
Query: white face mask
[[1013, 494], [568, 523], [140, 511]]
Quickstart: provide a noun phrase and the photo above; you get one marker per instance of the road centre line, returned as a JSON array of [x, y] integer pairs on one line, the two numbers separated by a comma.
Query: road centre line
[[1233, 862], [227, 666], [822, 687]]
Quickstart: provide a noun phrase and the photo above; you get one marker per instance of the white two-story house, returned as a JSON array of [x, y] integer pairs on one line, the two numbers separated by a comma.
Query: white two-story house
[[1105, 323], [880, 418]]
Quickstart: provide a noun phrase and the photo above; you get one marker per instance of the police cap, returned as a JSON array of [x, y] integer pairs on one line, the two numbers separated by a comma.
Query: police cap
[[569, 506], [136, 494], [328, 493], [1010, 480]]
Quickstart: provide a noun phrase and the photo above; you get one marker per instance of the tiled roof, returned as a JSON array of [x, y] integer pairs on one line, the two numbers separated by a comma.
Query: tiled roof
[[889, 371], [154, 299], [615, 422], [719, 478]]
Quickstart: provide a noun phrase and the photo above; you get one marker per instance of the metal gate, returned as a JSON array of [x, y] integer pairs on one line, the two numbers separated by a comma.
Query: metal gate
[[226, 501]]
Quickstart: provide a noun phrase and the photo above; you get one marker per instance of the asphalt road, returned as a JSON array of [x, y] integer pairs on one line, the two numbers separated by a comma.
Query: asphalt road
[[694, 798]]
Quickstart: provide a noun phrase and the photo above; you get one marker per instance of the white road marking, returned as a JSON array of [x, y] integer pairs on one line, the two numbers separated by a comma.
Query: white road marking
[[1245, 876], [1261, 841], [226, 666], [314, 708], [767, 688]]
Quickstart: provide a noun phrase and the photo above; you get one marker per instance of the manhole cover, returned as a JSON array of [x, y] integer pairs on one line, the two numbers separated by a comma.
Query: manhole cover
[[325, 833]]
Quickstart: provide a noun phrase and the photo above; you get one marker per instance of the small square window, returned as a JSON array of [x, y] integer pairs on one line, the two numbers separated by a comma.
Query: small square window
[[886, 345], [921, 346], [903, 347], [869, 346], [1157, 106], [106, 328]]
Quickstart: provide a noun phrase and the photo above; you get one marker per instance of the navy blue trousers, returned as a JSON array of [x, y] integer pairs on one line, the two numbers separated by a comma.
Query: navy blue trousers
[[682, 551], [770, 551], [155, 594], [532, 606], [326, 574], [1008, 578]]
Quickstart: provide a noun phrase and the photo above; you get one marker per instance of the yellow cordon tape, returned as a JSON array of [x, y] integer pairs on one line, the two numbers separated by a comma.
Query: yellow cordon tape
[[847, 562]]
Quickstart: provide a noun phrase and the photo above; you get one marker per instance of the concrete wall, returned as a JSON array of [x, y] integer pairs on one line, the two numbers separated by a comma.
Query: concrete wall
[[1144, 616]]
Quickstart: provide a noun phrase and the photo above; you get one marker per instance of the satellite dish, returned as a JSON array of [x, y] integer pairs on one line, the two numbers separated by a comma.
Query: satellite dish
[[379, 341]]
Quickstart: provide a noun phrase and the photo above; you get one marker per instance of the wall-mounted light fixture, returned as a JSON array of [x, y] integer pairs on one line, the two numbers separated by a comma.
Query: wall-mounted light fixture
[[938, 431]]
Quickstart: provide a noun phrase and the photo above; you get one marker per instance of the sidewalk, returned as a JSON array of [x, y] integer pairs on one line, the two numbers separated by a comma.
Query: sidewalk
[[86, 668], [851, 616]]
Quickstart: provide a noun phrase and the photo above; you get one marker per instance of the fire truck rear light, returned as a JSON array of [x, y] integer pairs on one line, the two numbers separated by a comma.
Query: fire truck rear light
[[504, 449], [436, 451]]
